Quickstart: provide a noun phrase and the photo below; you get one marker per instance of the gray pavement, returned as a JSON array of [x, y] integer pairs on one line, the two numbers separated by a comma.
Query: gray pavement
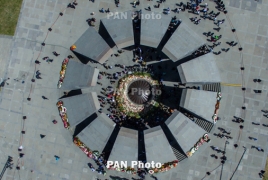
[[250, 20]]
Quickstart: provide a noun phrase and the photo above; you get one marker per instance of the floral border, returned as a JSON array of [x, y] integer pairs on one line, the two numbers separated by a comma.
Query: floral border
[[203, 139], [63, 114], [217, 107], [63, 71]]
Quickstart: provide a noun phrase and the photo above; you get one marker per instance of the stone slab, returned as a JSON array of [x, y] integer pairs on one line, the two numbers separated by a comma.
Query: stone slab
[[185, 131], [157, 146], [125, 147], [79, 75], [153, 30], [91, 45], [250, 5], [201, 103], [201, 70], [80, 107], [182, 43], [5, 48], [101, 129], [120, 28]]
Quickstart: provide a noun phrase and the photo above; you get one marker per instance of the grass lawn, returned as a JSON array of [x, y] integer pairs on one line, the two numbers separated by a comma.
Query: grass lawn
[[9, 13], [266, 170]]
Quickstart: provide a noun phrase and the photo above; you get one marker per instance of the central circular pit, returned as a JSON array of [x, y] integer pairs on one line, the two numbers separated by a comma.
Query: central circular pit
[[135, 91], [139, 91]]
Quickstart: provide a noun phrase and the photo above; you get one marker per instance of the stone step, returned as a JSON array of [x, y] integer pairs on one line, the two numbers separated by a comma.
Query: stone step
[[215, 87]]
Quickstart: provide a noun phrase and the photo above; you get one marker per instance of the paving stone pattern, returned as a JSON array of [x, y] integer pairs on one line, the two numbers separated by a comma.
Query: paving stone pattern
[[248, 17]]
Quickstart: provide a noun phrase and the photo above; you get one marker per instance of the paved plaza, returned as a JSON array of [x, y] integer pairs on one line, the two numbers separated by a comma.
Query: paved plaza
[[18, 55]]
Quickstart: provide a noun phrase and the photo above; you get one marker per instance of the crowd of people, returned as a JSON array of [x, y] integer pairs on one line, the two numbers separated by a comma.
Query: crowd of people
[[100, 162], [108, 95], [223, 134], [202, 51]]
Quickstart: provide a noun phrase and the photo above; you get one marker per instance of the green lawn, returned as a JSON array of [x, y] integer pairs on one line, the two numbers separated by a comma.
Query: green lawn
[[266, 171], [9, 13]]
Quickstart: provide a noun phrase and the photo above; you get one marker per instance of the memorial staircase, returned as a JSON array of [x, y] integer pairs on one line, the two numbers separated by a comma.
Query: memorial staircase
[[207, 126], [178, 154], [215, 87], [204, 124]]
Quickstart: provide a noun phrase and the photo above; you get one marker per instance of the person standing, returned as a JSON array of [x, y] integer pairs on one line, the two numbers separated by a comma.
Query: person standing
[[134, 4], [256, 80], [37, 62]]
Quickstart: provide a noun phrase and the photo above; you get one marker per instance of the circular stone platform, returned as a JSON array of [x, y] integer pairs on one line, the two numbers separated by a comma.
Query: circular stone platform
[[139, 91]]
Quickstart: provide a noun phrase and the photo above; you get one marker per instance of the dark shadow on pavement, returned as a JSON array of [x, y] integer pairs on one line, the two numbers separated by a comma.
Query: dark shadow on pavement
[[109, 145], [117, 178], [106, 36], [72, 93], [84, 124]]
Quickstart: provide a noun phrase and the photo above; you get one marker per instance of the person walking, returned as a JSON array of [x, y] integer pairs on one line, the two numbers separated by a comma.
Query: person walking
[[37, 62], [256, 80], [55, 53], [49, 61], [252, 138], [257, 91], [102, 10], [259, 149], [220, 22], [38, 75], [44, 97], [233, 44], [134, 4], [57, 158], [261, 173]]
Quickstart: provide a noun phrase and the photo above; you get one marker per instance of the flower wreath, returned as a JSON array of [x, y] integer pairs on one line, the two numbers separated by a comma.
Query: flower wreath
[[214, 117], [205, 137], [218, 96], [63, 71], [189, 154]]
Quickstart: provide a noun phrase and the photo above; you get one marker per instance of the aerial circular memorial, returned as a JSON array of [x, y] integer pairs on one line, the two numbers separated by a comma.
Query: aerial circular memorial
[[144, 95]]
